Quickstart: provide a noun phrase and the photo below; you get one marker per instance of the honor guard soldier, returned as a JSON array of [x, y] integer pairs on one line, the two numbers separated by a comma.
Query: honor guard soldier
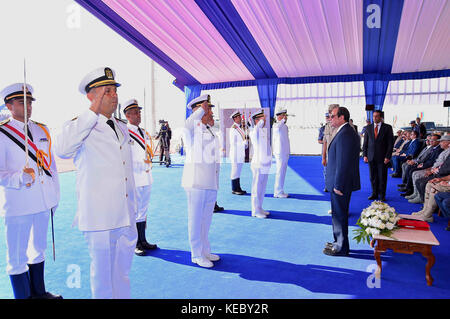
[[238, 144], [260, 165], [29, 193], [200, 178], [100, 146], [281, 151], [142, 165]]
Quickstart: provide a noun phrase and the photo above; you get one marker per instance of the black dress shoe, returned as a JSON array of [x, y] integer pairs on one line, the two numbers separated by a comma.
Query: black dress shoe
[[402, 189], [325, 190], [401, 185], [217, 208], [395, 175], [47, 295], [239, 192], [372, 197], [139, 250], [408, 193], [334, 252], [383, 198], [147, 246]]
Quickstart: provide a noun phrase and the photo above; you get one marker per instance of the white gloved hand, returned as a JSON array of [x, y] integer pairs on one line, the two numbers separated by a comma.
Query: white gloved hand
[[26, 178]]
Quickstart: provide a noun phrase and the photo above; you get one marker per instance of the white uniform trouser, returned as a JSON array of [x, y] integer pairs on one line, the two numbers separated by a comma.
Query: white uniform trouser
[[236, 170], [259, 184], [26, 241], [111, 254], [200, 210], [143, 200], [282, 162]]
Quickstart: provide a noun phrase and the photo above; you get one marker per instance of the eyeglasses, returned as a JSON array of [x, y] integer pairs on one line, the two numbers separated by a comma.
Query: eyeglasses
[[333, 116]]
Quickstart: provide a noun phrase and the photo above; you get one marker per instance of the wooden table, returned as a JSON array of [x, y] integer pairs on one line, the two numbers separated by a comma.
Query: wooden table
[[407, 241]]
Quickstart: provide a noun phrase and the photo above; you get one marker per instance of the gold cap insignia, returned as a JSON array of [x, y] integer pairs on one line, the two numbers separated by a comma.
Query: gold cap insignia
[[109, 73]]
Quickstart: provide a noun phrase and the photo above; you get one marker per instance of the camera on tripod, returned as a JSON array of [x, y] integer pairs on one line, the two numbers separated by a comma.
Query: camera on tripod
[[163, 125]]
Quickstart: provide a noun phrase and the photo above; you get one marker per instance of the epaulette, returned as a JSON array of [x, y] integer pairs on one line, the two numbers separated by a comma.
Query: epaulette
[[121, 120], [37, 123], [4, 122]]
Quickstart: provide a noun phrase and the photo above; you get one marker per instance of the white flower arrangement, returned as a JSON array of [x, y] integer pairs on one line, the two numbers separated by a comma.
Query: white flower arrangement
[[377, 219]]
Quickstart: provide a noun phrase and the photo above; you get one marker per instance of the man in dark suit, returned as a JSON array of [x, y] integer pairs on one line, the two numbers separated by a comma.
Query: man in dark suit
[[342, 178], [419, 164], [422, 128], [377, 151], [411, 152]]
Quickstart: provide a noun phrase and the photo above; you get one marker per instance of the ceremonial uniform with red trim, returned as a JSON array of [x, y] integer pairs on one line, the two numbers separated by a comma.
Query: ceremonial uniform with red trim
[[142, 171], [26, 209], [238, 144]]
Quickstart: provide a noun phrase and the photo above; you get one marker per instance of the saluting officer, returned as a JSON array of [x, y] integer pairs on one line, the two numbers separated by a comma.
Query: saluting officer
[[200, 178], [28, 195], [281, 151], [260, 165], [238, 144], [100, 146], [142, 166]]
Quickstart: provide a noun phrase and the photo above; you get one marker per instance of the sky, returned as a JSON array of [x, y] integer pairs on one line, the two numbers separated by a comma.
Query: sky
[[60, 43]]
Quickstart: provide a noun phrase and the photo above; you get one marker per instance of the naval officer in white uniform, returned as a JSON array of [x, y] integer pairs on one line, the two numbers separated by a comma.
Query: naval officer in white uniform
[[100, 146], [200, 178], [281, 151], [142, 166], [238, 144], [28, 195], [260, 164]]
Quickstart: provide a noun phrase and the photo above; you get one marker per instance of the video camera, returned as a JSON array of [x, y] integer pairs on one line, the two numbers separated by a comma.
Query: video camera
[[164, 125]]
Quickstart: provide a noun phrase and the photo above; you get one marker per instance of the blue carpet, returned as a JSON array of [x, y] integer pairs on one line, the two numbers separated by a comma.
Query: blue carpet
[[278, 257]]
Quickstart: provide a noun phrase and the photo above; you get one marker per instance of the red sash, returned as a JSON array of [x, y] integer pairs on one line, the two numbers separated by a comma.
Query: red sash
[[241, 132], [19, 138]]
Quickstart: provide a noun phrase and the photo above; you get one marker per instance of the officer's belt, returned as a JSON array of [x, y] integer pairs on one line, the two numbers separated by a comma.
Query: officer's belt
[[22, 145]]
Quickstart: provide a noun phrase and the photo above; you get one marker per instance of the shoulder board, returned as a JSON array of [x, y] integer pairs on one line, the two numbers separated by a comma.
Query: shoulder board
[[37, 123], [121, 120], [4, 122]]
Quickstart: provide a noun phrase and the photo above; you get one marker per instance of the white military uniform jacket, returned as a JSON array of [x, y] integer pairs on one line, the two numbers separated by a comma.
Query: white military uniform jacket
[[15, 198], [262, 153], [142, 171], [202, 164], [281, 146], [238, 144], [105, 182]]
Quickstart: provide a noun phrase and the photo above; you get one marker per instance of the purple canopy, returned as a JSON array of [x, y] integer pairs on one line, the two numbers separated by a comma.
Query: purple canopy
[[209, 44]]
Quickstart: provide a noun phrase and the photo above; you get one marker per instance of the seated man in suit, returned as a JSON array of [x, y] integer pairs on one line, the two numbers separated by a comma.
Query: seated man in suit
[[438, 172], [400, 143], [443, 202], [411, 152], [440, 162], [425, 162], [406, 166], [433, 186]]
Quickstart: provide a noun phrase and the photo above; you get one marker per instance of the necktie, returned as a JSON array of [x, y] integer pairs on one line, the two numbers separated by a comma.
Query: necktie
[[140, 132], [111, 124], [376, 131]]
